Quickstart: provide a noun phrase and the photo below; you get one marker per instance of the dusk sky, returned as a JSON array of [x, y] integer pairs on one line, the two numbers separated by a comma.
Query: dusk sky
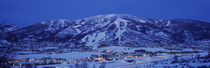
[[27, 12]]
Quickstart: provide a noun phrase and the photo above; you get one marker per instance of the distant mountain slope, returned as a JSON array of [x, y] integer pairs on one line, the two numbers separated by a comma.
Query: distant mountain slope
[[114, 29], [5, 29]]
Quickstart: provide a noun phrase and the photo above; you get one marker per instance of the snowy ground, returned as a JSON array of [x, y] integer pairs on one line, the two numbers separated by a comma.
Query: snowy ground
[[145, 62], [166, 59], [67, 56]]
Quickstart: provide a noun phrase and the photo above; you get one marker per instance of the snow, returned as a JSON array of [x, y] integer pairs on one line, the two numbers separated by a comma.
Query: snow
[[161, 34], [129, 49], [155, 49], [77, 26], [94, 17], [50, 27], [67, 31], [142, 61], [141, 20], [78, 31], [10, 29], [168, 23], [111, 15], [116, 49], [120, 29], [94, 39], [68, 56], [44, 22], [55, 24], [139, 62], [5, 42]]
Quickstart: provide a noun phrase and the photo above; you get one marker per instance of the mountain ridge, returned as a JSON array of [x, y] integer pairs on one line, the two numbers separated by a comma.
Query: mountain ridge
[[114, 29]]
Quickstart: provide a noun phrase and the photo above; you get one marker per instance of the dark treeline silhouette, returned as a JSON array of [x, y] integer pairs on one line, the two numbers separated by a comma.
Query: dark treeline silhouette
[[6, 55]]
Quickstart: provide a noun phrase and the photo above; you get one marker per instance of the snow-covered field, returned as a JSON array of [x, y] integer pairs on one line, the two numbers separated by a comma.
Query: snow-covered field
[[163, 57], [145, 62], [68, 56]]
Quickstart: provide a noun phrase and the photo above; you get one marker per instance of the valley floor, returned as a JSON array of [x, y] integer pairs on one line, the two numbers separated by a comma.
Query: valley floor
[[114, 57]]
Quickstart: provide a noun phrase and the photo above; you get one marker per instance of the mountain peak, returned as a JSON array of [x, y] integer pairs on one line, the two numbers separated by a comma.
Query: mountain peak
[[114, 29], [8, 28], [110, 16], [55, 21], [118, 15]]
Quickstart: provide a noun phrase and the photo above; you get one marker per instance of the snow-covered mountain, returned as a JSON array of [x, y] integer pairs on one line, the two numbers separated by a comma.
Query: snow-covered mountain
[[5, 29], [114, 29]]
